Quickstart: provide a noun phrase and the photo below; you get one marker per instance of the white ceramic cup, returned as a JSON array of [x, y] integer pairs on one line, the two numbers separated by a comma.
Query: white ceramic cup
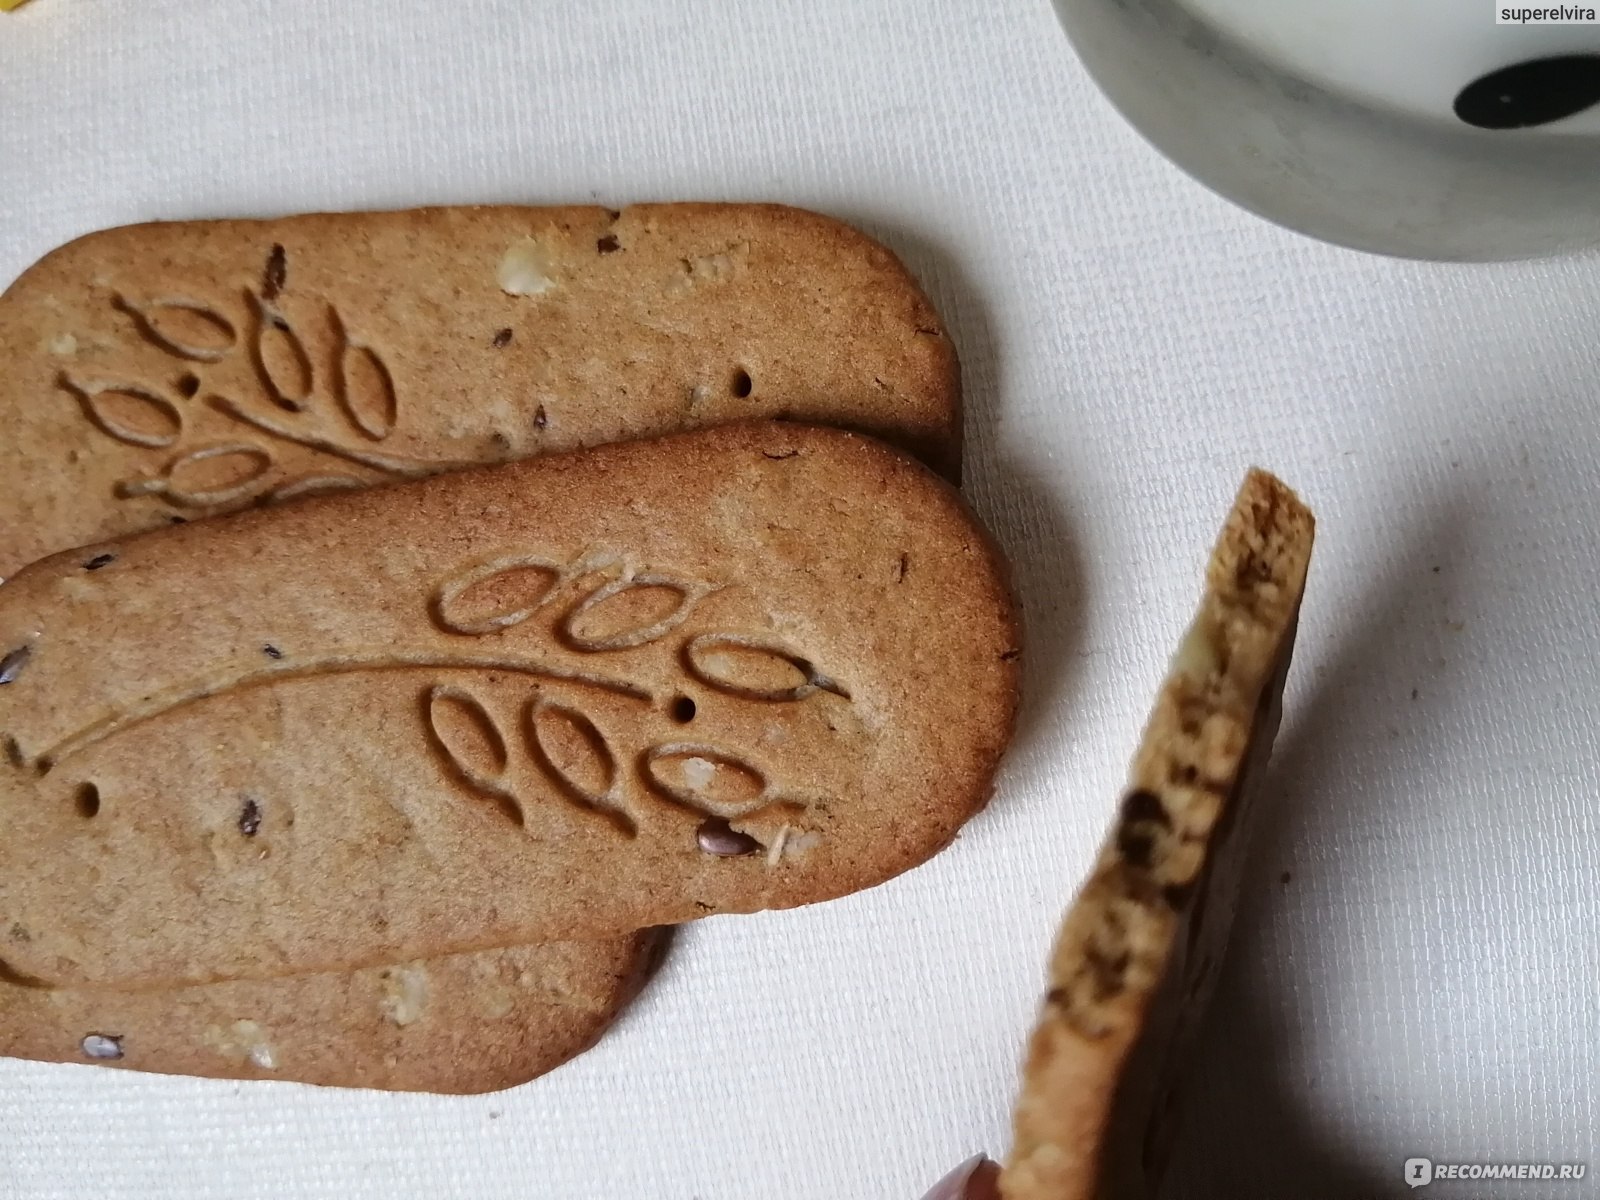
[[1349, 119]]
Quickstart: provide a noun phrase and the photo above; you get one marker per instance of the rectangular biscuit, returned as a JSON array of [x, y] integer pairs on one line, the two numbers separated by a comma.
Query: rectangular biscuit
[[183, 369], [749, 667], [1136, 958]]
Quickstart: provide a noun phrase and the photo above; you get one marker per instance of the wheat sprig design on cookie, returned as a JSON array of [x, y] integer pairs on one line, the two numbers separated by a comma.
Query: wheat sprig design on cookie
[[596, 607], [345, 407]]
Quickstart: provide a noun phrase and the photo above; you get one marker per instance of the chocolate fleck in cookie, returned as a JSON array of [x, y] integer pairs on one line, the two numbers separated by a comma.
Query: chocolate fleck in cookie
[[1138, 952], [456, 1024], [747, 667], [182, 369]]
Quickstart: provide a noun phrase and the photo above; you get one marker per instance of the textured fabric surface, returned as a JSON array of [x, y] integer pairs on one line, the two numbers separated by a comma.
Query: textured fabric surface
[[1415, 968]]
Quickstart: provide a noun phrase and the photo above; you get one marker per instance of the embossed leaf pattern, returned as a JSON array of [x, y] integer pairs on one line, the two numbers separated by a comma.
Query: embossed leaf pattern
[[188, 329], [754, 669], [706, 779], [586, 766], [628, 609], [280, 357], [495, 595], [209, 477], [472, 743], [631, 611], [130, 412], [286, 376], [575, 754], [314, 485], [363, 385]]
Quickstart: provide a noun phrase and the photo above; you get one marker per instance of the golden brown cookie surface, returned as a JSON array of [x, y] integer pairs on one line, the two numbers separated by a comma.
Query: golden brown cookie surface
[[164, 340], [175, 370], [749, 667], [457, 1024]]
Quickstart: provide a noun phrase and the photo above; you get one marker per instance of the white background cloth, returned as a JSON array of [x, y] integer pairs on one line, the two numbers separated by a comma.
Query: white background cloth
[[1416, 965]]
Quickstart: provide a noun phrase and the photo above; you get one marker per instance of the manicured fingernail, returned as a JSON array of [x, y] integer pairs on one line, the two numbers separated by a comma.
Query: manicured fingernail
[[972, 1180]]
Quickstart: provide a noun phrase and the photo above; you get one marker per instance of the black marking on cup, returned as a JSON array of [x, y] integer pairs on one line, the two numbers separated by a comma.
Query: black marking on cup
[[1528, 94]]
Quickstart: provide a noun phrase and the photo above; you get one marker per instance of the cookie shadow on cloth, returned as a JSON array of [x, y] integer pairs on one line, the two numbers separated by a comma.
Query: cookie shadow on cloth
[[1249, 1127], [1025, 512]]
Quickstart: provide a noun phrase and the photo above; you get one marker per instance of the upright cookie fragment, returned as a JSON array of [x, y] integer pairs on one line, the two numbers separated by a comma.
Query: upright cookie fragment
[[1136, 958]]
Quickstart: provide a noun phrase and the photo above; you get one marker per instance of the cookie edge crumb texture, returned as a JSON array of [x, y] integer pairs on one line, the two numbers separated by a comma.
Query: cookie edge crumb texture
[[1119, 941]]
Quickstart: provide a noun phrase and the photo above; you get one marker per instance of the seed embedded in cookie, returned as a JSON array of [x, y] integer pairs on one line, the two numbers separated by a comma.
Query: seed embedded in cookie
[[12, 663], [102, 1046], [716, 836], [276, 275]]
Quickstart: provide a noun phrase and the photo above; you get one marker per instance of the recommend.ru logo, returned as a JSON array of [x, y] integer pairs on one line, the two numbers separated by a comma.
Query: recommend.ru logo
[[1420, 1172]]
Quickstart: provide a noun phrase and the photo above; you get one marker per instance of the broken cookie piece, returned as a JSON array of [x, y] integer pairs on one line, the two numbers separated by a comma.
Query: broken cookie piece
[[1137, 954]]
